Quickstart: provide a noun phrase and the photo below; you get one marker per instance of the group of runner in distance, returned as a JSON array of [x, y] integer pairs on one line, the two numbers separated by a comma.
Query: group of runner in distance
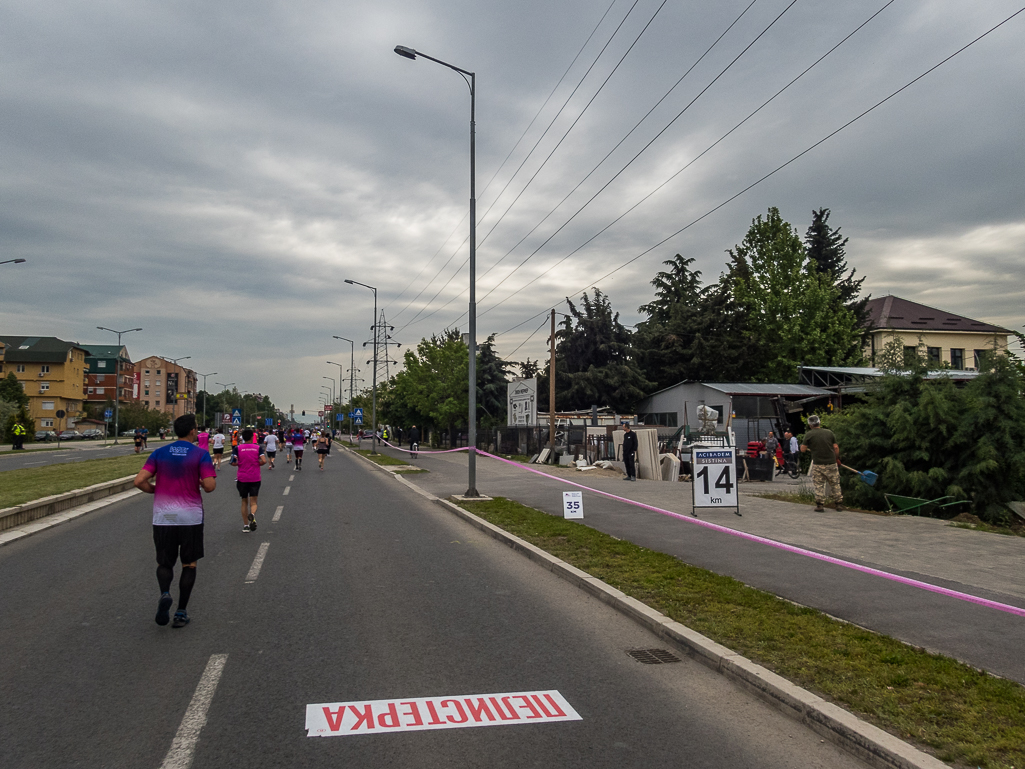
[[192, 463]]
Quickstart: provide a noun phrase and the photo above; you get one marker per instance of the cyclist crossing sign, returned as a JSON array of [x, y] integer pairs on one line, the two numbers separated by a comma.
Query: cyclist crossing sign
[[715, 478]]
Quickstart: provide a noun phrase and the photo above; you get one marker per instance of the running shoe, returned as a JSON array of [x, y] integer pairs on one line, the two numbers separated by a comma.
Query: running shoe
[[181, 619], [164, 609], [246, 529], [252, 522]]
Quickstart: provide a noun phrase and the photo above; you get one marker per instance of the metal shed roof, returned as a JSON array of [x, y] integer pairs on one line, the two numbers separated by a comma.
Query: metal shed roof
[[766, 389]]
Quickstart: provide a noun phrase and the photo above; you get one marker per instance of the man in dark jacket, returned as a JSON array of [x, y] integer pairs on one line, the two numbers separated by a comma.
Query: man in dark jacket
[[629, 452], [414, 438]]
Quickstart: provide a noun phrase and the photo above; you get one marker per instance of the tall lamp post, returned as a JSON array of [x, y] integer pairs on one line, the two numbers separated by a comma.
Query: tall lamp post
[[332, 381], [373, 443], [212, 373], [224, 386], [471, 81], [22, 261], [117, 373], [174, 406]]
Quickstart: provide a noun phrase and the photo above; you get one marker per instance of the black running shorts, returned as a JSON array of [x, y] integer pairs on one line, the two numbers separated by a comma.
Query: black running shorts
[[174, 541], [272, 454], [248, 488], [297, 450], [218, 451], [322, 451]]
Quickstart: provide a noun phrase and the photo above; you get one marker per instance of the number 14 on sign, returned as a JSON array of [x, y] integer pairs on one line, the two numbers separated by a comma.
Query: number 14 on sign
[[715, 478]]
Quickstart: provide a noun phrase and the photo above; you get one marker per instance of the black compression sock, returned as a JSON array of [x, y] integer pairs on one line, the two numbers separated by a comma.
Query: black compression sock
[[185, 583], [164, 576]]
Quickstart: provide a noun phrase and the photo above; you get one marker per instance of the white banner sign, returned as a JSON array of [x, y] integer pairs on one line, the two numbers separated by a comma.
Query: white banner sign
[[340, 719], [572, 504], [521, 403], [715, 477]]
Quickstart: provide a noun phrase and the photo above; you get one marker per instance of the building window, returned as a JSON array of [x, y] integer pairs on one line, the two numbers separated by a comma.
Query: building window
[[146, 392], [147, 373], [158, 371], [146, 403], [20, 368], [957, 359], [90, 392], [158, 403], [99, 390], [45, 369], [980, 355], [933, 354], [44, 386], [103, 364], [47, 406], [46, 423], [99, 379]]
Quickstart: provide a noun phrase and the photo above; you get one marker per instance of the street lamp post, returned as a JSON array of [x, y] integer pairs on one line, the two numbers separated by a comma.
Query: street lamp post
[[174, 406], [20, 261], [224, 386], [471, 81], [373, 443], [117, 373], [352, 375], [332, 381], [212, 373]]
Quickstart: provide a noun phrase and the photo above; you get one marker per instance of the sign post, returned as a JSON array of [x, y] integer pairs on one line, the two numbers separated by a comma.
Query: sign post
[[715, 479], [236, 417], [572, 504]]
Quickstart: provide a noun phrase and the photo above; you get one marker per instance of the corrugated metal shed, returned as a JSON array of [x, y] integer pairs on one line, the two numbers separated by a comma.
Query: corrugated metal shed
[[768, 389]]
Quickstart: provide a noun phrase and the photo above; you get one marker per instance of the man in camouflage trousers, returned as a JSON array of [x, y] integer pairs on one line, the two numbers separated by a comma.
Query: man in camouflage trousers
[[825, 457]]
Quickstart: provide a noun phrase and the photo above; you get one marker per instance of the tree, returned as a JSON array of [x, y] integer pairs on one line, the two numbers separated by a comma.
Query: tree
[[492, 381], [432, 387], [794, 313], [529, 368], [12, 391], [827, 255], [595, 359], [14, 403]]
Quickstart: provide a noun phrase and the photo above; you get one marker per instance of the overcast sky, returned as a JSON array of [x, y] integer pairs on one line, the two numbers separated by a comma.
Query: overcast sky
[[212, 172]]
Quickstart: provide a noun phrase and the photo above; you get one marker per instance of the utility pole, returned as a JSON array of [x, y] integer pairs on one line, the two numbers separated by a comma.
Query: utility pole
[[551, 391]]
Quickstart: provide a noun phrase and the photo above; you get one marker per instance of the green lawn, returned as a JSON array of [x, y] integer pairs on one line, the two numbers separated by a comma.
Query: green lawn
[[961, 714], [381, 459], [27, 484]]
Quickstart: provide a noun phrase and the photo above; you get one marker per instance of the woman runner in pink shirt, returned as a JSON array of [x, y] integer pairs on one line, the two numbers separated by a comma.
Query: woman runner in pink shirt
[[250, 457]]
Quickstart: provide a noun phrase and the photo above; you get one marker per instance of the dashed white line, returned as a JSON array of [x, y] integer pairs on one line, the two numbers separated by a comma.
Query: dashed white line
[[254, 570], [277, 514], [285, 492], [291, 477], [183, 747]]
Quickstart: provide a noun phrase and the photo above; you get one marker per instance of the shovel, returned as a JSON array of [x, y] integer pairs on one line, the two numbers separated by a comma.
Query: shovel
[[867, 476]]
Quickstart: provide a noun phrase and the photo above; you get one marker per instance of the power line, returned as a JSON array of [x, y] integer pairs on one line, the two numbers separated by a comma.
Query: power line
[[698, 156], [620, 142], [803, 152], [523, 162], [543, 324], [644, 148], [502, 164]]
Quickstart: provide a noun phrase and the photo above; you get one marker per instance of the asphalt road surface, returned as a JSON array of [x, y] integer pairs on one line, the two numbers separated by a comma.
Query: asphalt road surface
[[365, 591], [79, 452]]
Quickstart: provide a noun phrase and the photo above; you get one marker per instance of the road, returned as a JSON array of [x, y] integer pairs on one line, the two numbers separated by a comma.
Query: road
[[367, 591], [79, 451]]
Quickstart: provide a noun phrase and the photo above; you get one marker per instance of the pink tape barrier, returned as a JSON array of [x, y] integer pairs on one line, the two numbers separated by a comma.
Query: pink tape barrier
[[782, 545], [421, 451]]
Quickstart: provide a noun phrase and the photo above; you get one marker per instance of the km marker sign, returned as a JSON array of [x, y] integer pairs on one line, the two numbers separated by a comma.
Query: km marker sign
[[339, 719]]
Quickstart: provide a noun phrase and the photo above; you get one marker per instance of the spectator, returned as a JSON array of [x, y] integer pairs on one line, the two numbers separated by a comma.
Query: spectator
[[825, 457]]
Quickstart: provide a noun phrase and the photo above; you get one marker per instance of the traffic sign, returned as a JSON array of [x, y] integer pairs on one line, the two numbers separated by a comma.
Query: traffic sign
[[226, 419], [328, 406], [107, 415], [358, 413], [236, 417], [181, 396], [320, 413], [269, 421], [358, 419], [715, 480]]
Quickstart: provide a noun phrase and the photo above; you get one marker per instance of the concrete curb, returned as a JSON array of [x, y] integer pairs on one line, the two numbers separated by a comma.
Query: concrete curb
[[860, 738], [40, 508]]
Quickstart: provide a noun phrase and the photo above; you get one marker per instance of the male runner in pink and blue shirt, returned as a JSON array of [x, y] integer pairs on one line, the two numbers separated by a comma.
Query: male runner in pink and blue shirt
[[180, 469]]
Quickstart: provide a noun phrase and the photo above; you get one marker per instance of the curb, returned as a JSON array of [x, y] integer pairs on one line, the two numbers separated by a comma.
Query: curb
[[860, 738], [41, 508]]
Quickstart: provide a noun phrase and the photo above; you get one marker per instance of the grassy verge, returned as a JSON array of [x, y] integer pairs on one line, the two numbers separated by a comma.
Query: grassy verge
[[961, 714], [27, 484], [982, 526], [800, 497], [381, 459]]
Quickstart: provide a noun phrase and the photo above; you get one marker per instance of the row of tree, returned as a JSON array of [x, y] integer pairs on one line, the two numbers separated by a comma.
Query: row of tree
[[780, 302]]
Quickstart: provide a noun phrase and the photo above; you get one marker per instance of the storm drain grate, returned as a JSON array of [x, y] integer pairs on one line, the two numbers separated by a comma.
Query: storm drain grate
[[653, 656]]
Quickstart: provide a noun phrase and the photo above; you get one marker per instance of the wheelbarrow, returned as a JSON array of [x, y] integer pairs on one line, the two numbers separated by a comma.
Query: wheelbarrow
[[934, 508], [866, 475]]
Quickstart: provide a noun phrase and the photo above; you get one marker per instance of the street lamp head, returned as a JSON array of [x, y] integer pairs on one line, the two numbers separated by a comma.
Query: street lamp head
[[348, 281], [408, 53]]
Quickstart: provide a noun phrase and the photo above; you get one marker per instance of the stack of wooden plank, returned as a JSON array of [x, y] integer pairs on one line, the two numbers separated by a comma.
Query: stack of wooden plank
[[670, 467]]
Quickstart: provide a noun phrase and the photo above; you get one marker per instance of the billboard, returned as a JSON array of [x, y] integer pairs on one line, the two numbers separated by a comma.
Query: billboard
[[172, 387], [521, 403]]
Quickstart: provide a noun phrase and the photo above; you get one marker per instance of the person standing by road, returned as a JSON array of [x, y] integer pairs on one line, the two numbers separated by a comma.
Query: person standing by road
[[18, 444], [181, 469], [414, 440], [825, 457], [629, 452], [250, 458]]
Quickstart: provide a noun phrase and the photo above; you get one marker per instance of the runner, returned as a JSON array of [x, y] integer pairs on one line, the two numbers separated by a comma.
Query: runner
[[138, 440], [298, 444], [234, 447], [145, 437], [271, 442], [218, 448], [288, 446], [322, 444], [182, 468], [250, 457], [203, 440]]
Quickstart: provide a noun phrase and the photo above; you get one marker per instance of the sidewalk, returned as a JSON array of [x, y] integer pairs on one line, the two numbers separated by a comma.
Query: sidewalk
[[981, 564]]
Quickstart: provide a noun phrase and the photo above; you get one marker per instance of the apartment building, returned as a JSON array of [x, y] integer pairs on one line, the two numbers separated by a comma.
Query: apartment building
[[166, 386], [948, 338], [52, 373], [109, 369]]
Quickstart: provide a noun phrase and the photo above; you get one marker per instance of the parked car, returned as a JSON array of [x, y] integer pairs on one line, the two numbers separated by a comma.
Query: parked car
[[130, 433], [71, 435], [45, 435], [92, 435]]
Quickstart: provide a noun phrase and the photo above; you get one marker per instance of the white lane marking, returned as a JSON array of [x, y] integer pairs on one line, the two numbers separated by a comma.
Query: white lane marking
[[183, 747], [285, 492], [291, 477], [254, 570], [36, 463], [277, 514]]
